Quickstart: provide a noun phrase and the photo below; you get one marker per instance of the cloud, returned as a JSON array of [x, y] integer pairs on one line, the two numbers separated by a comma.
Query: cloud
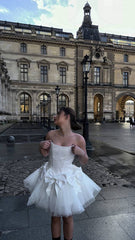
[[3, 10], [47, 4], [111, 16], [68, 16]]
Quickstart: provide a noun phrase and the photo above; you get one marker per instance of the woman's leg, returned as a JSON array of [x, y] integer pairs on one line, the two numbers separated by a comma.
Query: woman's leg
[[68, 227], [56, 227]]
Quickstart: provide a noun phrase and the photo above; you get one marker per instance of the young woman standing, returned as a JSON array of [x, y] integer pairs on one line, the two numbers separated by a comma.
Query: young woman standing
[[59, 186]]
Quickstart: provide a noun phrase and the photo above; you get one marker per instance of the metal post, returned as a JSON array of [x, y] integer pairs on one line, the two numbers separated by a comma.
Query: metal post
[[44, 114], [85, 122], [57, 103]]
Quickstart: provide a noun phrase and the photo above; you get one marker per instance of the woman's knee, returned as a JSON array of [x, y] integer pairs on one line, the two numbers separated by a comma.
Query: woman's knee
[[55, 219], [68, 219]]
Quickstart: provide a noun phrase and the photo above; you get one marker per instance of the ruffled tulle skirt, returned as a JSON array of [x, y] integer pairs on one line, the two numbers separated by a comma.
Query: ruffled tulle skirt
[[61, 193]]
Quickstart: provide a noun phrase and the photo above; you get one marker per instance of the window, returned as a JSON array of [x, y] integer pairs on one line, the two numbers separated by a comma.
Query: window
[[23, 47], [24, 72], [24, 103], [125, 58], [62, 74], [63, 101], [62, 51], [125, 79], [43, 49], [44, 74], [97, 75], [45, 101]]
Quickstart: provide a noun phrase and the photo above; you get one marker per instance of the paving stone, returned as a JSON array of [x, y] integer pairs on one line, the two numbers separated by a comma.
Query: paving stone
[[117, 192], [13, 220], [104, 228], [38, 217], [107, 207], [127, 223], [9, 203]]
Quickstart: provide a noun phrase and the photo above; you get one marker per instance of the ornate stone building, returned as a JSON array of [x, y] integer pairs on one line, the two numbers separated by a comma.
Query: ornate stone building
[[34, 59], [37, 59]]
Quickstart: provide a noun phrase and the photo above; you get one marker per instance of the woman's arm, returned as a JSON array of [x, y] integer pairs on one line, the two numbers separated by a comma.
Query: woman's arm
[[80, 150], [45, 145]]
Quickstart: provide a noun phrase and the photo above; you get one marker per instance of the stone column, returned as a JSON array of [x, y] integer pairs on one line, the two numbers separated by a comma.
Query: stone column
[[15, 105], [6, 97], [34, 106]]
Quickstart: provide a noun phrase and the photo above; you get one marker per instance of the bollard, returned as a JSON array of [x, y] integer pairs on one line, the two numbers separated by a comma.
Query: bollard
[[10, 140]]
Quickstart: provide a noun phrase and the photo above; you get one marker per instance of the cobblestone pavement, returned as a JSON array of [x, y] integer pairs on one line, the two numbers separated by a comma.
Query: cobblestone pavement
[[13, 170]]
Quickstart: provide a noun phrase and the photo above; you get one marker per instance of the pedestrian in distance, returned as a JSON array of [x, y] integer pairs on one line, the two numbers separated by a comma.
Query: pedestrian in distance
[[59, 186]]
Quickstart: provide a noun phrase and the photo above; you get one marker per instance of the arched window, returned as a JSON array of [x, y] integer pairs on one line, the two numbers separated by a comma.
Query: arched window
[[45, 100], [24, 103], [63, 101], [23, 47], [43, 49]]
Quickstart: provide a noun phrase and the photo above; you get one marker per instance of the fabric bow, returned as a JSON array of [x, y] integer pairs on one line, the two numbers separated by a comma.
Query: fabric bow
[[57, 180]]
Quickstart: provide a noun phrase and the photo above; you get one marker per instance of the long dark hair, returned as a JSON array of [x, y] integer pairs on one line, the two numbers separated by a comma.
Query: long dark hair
[[69, 111]]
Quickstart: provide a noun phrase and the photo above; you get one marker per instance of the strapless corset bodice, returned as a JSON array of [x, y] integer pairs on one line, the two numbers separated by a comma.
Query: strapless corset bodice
[[60, 157]]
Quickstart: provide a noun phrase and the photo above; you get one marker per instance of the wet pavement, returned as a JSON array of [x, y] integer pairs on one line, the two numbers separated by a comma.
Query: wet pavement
[[110, 217], [118, 162], [24, 132], [117, 135]]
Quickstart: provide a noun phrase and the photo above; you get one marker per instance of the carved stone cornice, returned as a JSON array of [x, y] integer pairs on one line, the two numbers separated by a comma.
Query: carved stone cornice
[[62, 64], [126, 69], [43, 62], [23, 61]]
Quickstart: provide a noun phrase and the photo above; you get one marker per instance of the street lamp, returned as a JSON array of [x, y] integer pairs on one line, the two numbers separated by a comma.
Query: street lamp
[[86, 62], [57, 90], [44, 104], [37, 120]]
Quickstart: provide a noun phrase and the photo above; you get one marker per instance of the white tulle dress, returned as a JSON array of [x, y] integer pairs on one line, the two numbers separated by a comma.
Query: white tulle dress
[[59, 186]]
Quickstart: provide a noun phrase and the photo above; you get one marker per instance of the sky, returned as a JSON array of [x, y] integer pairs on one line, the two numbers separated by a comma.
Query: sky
[[112, 16]]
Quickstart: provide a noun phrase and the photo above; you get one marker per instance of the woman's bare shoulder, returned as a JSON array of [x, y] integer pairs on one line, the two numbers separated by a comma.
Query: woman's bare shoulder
[[51, 134], [79, 138]]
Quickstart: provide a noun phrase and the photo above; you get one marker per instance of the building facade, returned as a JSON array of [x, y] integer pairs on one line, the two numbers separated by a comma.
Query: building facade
[[35, 59]]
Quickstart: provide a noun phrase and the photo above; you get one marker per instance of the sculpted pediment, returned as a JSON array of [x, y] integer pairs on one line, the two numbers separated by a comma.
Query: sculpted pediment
[[23, 60], [43, 62], [126, 69], [62, 64]]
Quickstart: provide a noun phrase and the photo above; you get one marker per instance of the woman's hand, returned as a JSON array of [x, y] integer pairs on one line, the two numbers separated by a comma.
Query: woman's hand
[[44, 147], [77, 150], [45, 144], [80, 152]]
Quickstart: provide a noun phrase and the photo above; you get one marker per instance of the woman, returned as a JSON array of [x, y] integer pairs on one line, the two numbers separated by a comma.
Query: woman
[[59, 186]]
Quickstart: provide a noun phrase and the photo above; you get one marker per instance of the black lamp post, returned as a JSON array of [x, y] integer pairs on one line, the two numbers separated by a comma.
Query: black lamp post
[[37, 120], [44, 104], [57, 90], [49, 120], [86, 68]]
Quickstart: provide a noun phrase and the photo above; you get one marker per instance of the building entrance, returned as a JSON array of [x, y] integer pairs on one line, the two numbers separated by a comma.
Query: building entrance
[[98, 108], [125, 108]]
